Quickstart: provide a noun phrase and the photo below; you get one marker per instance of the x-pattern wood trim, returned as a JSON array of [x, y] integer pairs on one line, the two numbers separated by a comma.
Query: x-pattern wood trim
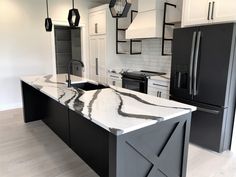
[[155, 159]]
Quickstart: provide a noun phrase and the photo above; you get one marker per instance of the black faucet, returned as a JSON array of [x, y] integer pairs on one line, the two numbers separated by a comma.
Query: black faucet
[[69, 69]]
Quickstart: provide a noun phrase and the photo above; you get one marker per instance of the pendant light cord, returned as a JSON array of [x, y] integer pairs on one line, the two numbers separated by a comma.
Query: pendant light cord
[[73, 4], [47, 8]]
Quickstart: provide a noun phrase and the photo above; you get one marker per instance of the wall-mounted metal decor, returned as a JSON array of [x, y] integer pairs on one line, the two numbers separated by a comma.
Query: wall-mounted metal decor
[[119, 8], [73, 16], [48, 21]]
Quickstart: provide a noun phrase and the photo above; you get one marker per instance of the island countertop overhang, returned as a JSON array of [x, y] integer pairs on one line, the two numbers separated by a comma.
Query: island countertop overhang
[[117, 110]]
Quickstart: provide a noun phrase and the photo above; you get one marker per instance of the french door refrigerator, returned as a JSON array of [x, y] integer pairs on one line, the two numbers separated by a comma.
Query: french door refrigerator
[[203, 74]]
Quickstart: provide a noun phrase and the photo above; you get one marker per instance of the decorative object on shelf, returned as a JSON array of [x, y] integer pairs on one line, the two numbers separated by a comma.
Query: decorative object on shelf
[[48, 21], [131, 41], [164, 28], [119, 8], [73, 16]]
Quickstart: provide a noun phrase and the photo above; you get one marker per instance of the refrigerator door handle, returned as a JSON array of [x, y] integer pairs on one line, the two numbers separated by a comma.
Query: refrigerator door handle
[[209, 9], [213, 9], [211, 111], [196, 63], [191, 63]]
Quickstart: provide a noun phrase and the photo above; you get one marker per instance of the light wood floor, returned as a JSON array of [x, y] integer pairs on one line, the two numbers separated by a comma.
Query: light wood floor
[[33, 150]]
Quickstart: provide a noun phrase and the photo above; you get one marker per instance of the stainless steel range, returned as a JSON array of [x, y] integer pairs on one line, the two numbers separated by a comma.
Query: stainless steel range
[[138, 80]]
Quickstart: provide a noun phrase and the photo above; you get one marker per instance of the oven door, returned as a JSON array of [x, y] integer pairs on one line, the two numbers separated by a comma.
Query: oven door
[[135, 84]]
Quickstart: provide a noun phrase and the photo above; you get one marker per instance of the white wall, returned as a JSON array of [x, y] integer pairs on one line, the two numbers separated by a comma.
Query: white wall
[[25, 47]]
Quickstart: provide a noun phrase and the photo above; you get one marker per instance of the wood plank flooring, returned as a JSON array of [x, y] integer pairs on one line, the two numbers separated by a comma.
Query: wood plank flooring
[[33, 150]]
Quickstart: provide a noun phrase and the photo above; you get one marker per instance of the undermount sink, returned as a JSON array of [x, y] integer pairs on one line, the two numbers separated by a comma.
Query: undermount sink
[[87, 86]]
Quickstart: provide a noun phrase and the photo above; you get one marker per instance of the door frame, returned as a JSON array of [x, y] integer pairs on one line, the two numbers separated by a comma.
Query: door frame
[[84, 42]]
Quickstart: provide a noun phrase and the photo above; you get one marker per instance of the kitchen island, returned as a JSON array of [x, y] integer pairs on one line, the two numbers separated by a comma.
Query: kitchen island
[[117, 132]]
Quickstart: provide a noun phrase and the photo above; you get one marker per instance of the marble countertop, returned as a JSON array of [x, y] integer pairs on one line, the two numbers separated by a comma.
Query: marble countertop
[[117, 110]]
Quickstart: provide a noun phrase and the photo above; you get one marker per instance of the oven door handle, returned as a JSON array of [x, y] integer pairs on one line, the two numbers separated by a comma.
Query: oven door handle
[[133, 80]]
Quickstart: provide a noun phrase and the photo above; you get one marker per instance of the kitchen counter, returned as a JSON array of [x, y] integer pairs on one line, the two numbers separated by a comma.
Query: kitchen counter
[[114, 130], [165, 78], [115, 109]]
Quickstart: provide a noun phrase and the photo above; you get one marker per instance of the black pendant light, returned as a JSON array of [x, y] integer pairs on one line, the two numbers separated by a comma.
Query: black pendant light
[[74, 16], [48, 21], [119, 8]]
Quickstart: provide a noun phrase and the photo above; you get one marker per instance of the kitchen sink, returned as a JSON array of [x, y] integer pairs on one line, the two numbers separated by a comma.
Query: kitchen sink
[[87, 86]]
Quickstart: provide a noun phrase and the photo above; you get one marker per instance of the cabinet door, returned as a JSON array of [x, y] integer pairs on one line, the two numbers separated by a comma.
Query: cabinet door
[[182, 62], [101, 46], [97, 23], [93, 58], [212, 64], [224, 11], [195, 12]]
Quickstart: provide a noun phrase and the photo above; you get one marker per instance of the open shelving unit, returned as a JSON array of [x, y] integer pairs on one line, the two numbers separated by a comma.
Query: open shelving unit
[[123, 41], [165, 24]]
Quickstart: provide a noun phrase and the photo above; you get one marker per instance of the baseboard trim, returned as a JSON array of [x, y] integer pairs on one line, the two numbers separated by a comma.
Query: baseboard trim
[[10, 106]]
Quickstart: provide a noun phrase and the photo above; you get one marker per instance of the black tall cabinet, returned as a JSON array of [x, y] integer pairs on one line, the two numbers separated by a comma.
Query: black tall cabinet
[[204, 74]]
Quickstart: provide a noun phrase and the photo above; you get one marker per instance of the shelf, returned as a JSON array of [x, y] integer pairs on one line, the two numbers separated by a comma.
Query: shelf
[[170, 24], [165, 24], [122, 52], [122, 41], [132, 40], [166, 39], [122, 29]]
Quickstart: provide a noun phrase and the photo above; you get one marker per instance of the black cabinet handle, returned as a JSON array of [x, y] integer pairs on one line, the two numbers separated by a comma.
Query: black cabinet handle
[[209, 9], [196, 63], [191, 63], [96, 28], [97, 66], [213, 9]]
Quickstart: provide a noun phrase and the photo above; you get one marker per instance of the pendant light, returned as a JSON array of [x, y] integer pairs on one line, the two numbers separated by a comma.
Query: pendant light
[[48, 21], [119, 8], [74, 16]]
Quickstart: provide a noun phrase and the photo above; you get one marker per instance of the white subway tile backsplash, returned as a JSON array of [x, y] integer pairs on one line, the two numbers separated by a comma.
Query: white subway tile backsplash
[[150, 59]]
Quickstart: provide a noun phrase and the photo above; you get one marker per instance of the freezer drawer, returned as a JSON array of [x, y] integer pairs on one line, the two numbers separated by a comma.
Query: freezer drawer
[[207, 127], [211, 126]]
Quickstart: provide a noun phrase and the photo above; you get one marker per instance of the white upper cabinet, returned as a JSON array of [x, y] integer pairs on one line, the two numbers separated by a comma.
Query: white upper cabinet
[[195, 12], [200, 12], [224, 11], [97, 23]]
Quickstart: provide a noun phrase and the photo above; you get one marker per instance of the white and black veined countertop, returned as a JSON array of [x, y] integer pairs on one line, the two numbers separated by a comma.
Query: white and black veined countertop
[[117, 110]]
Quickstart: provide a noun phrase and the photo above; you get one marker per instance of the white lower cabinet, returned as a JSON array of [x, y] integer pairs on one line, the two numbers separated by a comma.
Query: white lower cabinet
[[158, 88], [115, 79]]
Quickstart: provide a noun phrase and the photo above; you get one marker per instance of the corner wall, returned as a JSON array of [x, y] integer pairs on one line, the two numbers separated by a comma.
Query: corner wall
[[25, 47]]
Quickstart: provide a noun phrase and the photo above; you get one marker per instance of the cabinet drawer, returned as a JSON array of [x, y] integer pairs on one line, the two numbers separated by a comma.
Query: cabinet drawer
[[158, 84], [115, 79]]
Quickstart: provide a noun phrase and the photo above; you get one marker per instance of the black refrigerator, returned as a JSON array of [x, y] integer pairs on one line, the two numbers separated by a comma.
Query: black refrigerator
[[203, 74]]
